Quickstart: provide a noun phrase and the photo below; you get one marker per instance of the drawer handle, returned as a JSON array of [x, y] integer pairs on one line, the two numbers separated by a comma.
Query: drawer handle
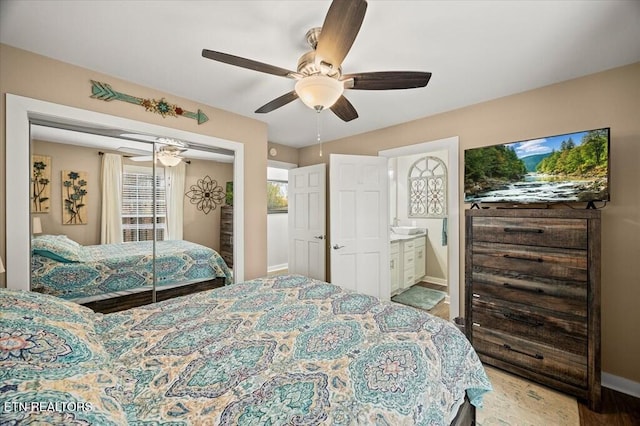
[[516, 287], [536, 259], [536, 356], [523, 319], [525, 230]]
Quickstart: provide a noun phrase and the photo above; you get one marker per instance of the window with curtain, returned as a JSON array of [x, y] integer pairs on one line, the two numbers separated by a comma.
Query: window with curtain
[[138, 186]]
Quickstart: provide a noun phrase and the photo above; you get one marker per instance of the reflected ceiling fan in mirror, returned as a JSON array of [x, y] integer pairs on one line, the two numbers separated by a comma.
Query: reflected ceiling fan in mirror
[[168, 152], [320, 82]]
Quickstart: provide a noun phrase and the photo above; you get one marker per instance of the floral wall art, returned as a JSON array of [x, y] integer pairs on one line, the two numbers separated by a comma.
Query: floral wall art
[[40, 183], [74, 197], [206, 194]]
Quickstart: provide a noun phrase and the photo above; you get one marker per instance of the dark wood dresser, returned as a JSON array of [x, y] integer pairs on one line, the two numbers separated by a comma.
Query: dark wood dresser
[[226, 234], [532, 281]]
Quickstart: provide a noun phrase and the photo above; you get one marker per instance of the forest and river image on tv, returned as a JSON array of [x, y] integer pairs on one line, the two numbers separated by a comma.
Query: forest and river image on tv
[[573, 167]]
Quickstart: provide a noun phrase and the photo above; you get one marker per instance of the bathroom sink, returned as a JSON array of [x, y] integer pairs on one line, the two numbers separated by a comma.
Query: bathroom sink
[[406, 230]]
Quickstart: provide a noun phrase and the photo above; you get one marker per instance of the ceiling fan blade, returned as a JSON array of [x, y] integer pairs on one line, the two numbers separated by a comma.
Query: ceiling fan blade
[[339, 30], [278, 102], [388, 80], [247, 63], [344, 110]]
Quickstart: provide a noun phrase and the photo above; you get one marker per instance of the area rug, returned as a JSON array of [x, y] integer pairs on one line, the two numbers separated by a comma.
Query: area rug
[[518, 402], [420, 297]]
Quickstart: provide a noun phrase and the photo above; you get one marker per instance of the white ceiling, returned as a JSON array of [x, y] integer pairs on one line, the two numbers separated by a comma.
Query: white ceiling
[[476, 50]]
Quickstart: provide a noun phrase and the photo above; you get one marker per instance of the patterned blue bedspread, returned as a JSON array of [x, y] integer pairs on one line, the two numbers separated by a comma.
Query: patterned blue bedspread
[[289, 350], [111, 268]]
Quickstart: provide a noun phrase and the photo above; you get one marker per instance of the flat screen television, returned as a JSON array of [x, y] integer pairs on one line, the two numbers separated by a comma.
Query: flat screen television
[[568, 168]]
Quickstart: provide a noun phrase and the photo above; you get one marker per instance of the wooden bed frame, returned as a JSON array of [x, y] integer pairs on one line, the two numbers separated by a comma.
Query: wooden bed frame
[[466, 414], [120, 303]]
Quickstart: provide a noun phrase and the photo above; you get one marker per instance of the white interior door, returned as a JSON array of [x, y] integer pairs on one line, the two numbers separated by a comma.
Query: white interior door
[[307, 221], [359, 201]]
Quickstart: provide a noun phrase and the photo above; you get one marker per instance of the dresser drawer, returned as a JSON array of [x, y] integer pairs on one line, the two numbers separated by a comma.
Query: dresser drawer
[[542, 359], [552, 232], [570, 264], [560, 330], [546, 293], [532, 296]]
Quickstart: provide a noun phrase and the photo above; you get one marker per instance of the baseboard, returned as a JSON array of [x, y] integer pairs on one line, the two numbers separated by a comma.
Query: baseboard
[[434, 280], [621, 384]]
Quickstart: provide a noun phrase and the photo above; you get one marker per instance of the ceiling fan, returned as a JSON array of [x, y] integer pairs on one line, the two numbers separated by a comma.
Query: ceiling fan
[[320, 82]]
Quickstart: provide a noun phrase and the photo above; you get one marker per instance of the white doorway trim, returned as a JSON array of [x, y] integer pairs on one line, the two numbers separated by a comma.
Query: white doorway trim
[[19, 111], [451, 145]]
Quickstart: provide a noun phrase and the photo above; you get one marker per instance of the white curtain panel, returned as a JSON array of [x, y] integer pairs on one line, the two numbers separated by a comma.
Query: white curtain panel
[[111, 226], [174, 180]]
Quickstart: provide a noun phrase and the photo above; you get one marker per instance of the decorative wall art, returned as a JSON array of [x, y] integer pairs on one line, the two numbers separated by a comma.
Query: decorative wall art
[[40, 183], [427, 182], [206, 194], [74, 198], [104, 92]]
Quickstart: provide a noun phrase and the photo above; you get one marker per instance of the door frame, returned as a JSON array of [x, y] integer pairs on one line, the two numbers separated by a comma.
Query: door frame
[[451, 145]]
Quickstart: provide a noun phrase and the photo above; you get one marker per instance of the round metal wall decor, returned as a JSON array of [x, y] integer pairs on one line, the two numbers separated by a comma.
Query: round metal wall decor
[[206, 194]]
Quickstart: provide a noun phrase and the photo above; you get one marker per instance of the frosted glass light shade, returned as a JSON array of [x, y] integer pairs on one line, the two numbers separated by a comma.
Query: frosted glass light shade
[[168, 159], [36, 226], [319, 91]]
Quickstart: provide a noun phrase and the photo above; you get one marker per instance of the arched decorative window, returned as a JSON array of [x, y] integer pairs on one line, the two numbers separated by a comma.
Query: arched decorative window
[[428, 188]]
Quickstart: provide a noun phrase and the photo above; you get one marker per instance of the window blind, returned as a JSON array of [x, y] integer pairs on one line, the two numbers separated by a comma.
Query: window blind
[[138, 186]]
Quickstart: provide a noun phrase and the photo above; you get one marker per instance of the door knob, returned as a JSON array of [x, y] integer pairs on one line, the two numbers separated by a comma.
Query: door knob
[[337, 247], [319, 237]]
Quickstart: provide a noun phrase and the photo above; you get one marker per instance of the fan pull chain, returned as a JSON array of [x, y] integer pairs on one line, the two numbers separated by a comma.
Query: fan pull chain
[[318, 130]]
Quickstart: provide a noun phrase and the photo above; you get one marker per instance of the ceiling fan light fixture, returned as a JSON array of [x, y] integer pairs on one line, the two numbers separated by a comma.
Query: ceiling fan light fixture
[[168, 159], [319, 91]]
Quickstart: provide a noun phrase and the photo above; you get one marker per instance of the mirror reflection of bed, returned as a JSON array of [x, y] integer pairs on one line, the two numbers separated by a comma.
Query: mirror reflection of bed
[[126, 238]]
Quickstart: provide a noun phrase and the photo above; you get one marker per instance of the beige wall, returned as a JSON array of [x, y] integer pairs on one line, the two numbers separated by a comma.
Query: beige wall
[[79, 159], [284, 153], [607, 99], [26, 74], [199, 227]]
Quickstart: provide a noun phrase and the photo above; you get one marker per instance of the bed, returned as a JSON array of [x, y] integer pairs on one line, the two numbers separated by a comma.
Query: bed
[[279, 350], [64, 268]]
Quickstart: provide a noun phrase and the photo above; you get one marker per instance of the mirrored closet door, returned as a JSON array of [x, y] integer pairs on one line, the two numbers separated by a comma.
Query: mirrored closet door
[[118, 222]]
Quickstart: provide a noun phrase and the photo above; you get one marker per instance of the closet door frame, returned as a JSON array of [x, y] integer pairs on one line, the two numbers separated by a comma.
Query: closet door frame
[[19, 113]]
